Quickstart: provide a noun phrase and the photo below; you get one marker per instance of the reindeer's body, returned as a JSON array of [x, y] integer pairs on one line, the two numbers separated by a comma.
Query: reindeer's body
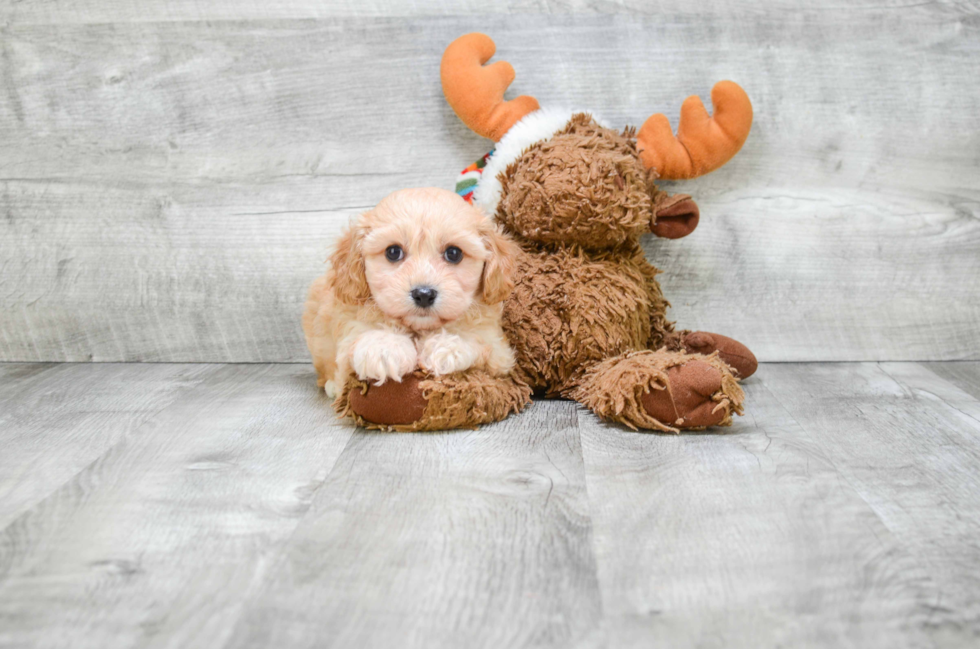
[[572, 309], [587, 319]]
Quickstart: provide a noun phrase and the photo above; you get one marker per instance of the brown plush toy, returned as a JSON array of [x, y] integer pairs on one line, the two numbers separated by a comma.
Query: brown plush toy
[[587, 319]]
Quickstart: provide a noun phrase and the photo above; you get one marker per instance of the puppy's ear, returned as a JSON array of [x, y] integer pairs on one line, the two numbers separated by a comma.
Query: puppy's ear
[[347, 277], [499, 267]]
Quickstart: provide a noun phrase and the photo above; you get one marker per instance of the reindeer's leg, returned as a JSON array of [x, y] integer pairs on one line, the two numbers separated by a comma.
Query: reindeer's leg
[[661, 390], [420, 402], [676, 216]]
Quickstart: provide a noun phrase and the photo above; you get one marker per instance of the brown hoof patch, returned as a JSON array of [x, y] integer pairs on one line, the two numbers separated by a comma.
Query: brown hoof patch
[[687, 404], [391, 403], [735, 354]]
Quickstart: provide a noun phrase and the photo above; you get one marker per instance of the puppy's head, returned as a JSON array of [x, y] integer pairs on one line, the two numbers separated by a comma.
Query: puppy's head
[[425, 256]]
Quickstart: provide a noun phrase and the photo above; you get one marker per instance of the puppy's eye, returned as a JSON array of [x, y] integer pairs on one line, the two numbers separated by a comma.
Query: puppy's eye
[[453, 255], [394, 253]]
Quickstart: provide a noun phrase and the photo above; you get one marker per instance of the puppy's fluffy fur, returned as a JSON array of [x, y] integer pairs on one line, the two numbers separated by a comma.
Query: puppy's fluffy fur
[[360, 316]]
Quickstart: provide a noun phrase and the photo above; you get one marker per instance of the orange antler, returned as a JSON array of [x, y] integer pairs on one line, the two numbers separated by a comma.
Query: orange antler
[[476, 93], [703, 143]]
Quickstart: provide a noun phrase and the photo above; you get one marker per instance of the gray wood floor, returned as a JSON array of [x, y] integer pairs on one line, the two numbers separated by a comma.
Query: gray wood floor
[[225, 506]]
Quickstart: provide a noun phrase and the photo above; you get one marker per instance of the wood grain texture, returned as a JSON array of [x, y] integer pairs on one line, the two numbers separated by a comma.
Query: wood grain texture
[[56, 420], [106, 11], [467, 539], [965, 376], [751, 537], [906, 441], [235, 510], [159, 539], [169, 184]]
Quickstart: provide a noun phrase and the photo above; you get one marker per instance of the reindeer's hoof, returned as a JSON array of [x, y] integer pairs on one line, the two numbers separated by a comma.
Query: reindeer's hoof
[[391, 403], [687, 403], [735, 354]]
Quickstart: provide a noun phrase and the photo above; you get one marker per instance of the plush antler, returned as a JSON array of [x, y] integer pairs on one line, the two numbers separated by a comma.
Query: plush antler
[[703, 143], [476, 93]]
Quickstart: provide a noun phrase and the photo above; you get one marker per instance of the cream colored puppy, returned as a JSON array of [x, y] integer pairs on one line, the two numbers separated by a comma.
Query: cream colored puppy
[[418, 281]]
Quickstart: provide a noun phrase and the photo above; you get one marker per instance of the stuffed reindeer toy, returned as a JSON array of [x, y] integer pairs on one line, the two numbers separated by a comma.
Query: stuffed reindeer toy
[[587, 319]]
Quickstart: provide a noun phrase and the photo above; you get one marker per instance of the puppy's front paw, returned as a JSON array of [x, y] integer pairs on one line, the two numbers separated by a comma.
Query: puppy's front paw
[[381, 355], [446, 353]]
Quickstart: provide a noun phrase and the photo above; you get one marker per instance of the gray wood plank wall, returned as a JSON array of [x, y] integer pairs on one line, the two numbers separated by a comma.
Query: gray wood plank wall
[[171, 172]]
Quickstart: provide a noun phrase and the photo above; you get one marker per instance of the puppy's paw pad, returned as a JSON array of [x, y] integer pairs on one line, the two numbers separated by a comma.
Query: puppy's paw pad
[[446, 353], [381, 355]]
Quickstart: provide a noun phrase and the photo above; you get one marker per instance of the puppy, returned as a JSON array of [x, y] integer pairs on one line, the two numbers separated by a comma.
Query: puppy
[[416, 282]]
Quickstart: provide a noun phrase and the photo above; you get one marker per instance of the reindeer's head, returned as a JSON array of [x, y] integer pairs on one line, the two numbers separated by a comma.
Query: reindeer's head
[[563, 177]]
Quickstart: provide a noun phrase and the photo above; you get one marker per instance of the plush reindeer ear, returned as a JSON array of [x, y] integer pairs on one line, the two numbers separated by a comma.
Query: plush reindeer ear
[[674, 216], [347, 277], [499, 266]]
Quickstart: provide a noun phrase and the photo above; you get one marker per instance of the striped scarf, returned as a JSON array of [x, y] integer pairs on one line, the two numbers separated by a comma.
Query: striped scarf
[[469, 178]]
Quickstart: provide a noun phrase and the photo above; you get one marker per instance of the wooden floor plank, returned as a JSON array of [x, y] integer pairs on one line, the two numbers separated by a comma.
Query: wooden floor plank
[[465, 539], [747, 538], [57, 419], [160, 539], [964, 375], [842, 510], [915, 458], [957, 388]]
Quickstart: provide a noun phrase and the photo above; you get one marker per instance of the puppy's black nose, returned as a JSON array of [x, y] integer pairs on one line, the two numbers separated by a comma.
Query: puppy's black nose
[[424, 296]]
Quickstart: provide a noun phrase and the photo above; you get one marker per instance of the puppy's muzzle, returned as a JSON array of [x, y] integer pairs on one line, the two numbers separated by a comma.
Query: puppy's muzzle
[[424, 296]]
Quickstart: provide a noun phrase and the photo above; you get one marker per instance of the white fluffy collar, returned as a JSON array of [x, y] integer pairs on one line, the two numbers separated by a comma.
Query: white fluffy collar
[[531, 129]]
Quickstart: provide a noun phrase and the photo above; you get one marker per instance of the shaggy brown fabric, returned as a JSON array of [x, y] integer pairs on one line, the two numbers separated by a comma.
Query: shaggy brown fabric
[[463, 400], [587, 307], [585, 187], [572, 308], [618, 389]]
